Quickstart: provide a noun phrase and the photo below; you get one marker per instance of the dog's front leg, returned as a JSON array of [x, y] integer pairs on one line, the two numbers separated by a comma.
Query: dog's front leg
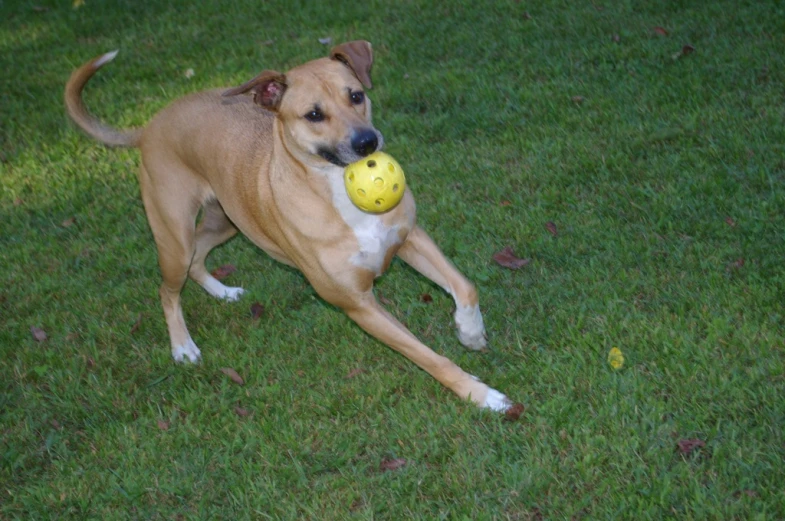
[[422, 254], [379, 323]]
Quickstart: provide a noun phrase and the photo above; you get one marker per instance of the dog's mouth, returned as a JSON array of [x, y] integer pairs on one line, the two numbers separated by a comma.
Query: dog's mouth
[[331, 157]]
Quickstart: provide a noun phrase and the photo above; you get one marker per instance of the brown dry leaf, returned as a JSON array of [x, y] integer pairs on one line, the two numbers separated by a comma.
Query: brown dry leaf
[[392, 464], [504, 202], [354, 372], [90, 362], [737, 264], [163, 425], [578, 99], [616, 38], [224, 271], [730, 222], [687, 49], [687, 446], [241, 412], [55, 424], [426, 297], [68, 222], [257, 310], [39, 335], [18, 202], [268, 42], [384, 300], [661, 31], [551, 227], [526, 15], [513, 413], [507, 259], [137, 323], [233, 375]]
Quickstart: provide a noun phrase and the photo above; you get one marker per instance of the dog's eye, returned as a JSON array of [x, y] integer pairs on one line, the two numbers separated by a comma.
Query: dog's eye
[[315, 116], [357, 97]]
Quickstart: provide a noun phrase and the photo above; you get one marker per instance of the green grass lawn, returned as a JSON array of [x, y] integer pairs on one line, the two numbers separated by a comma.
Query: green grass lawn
[[663, 171]]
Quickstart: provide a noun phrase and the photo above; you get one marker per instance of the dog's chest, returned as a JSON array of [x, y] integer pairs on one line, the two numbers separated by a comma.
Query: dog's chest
[[374, 237]]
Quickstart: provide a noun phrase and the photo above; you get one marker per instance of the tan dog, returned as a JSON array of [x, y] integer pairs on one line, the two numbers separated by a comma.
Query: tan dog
[[271, 165]]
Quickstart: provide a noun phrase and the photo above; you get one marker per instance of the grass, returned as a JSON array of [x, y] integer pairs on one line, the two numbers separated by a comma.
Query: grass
[[662, 172]]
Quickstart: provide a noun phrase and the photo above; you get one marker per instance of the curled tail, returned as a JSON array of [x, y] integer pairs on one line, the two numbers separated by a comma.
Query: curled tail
[[90, 124]]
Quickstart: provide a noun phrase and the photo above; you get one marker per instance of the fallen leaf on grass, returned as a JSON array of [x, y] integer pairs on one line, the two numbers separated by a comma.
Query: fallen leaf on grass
[[78, 3], [384, 300], [257, 310], [504, 202], [136, 325], [616, 38], [39, 335], [551, 227], [189, 73], [689, 445], [354, 372], [68, 222], [514, 413], [268, 42], [737, 264], [224, 271], [163, 425], [426, 297], [687, 49], [615, 358], [232, 374], [730, 222], [507, 259], [55, 424], [392, 464], [661, 31], [241, 412], [578, 99]]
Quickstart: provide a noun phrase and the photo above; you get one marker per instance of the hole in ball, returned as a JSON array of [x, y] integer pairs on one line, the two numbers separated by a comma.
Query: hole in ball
[[361, 192], [390, 167], [379, 202], [351, 177], [371, 163], [378, 181], [395, 187]]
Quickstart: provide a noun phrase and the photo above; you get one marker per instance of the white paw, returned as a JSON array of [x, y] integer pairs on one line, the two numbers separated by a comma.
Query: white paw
[[471, 329], [232, 294], [215, 288], [187, 352], [496, 401]]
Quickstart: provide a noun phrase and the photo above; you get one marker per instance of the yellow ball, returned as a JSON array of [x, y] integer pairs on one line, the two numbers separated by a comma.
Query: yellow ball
[[375, 183]]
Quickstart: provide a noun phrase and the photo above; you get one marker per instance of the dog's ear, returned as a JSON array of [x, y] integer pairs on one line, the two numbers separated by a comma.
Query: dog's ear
[[358, 56], [268, 88]]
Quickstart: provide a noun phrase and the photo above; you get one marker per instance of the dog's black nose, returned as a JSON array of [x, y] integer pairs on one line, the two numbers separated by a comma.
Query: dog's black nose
[[365, 142]]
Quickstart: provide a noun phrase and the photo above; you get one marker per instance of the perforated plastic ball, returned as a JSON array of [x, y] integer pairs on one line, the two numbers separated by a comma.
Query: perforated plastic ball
[[375, 183]]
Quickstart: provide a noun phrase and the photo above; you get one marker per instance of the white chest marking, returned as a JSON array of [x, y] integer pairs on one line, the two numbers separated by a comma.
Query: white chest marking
[[373, 237]]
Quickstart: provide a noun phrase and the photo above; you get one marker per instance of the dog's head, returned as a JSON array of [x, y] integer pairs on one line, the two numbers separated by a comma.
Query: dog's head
[[322, 106]]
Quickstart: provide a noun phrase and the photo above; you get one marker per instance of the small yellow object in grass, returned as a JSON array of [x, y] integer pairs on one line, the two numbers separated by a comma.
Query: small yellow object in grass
[[376, 183], [78, 3], [616, 358]]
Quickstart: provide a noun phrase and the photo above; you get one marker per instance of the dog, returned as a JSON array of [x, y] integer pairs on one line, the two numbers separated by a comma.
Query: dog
[[267, 158]]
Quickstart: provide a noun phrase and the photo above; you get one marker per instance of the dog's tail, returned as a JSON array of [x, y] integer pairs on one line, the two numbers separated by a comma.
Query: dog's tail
[[90, 124]]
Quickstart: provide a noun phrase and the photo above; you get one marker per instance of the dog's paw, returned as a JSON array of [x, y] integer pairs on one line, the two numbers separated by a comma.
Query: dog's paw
[[471, 329], [232, 294], [187, 352], [496, 401], [217, 289]]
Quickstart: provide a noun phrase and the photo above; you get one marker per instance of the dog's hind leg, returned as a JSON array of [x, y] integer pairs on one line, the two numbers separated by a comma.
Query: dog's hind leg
[[171, 213], [214, 229], [422, 254]]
